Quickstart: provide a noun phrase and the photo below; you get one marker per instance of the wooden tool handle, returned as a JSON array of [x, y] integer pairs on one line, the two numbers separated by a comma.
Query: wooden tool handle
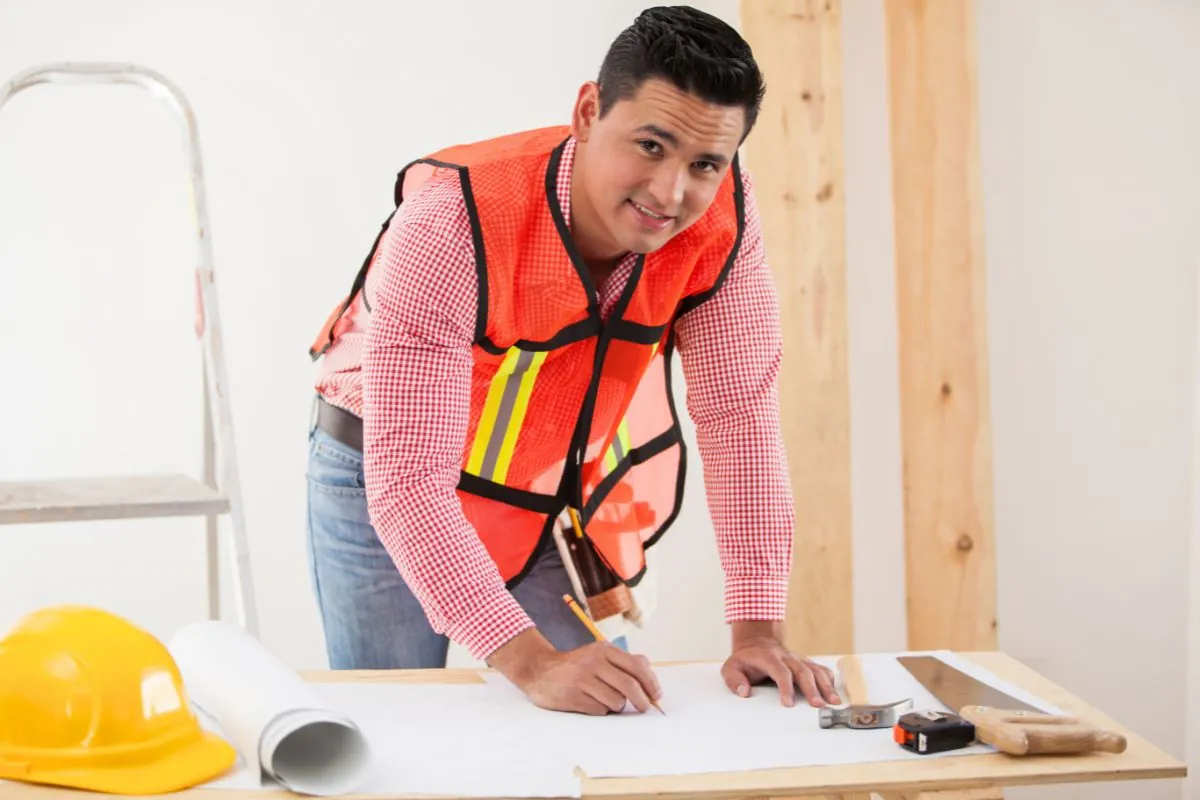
[[854, 685], [1025, 733]]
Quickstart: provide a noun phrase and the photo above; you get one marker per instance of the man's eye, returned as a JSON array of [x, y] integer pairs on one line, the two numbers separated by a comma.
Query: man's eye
[[706, 166], [649, 145]]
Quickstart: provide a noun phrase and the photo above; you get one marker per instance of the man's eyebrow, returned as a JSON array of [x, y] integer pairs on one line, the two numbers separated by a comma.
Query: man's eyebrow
[[673, 140]]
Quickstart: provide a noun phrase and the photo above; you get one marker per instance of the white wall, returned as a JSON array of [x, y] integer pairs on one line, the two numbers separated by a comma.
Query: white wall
[[1090, 121], [1192, 695], [1089, 118]]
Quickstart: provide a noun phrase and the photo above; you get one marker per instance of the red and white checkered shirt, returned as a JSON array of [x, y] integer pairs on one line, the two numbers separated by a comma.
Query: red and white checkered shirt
[[409, 363]]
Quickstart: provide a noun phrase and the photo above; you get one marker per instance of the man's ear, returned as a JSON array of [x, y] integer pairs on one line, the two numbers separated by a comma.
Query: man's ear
[[586, 112]]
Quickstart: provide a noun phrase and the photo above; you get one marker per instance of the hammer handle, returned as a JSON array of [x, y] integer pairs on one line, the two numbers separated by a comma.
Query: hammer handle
[[853, 683]]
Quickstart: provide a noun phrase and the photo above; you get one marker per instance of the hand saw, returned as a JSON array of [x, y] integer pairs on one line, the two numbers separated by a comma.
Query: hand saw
[[980, 712], [957, 689]]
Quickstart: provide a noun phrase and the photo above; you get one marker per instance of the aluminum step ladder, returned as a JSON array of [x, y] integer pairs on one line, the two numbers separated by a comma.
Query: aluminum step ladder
[[219, 492]]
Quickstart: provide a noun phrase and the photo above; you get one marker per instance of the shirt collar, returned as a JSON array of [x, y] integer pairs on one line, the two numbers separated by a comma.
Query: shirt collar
[[563, 183]]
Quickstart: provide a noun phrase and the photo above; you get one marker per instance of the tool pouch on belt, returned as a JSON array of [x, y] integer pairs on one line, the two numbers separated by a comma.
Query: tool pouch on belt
[[606, 594]]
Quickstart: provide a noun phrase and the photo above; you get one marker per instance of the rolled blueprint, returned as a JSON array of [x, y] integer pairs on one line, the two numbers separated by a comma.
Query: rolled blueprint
[[278, 724]]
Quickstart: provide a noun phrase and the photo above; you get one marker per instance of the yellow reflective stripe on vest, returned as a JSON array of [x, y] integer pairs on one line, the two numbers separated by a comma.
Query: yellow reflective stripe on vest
[[618, 449], [503, 414]]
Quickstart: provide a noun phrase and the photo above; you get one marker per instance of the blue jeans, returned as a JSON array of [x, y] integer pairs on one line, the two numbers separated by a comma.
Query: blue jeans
[[371, 618]]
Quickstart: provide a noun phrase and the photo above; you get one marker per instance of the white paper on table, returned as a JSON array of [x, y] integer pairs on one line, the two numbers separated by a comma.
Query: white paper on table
[[273, 718], [488, 740], [452, 739], [707, 728]]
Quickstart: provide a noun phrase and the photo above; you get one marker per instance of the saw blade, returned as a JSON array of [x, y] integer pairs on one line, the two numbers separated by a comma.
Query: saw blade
[[956, 688]]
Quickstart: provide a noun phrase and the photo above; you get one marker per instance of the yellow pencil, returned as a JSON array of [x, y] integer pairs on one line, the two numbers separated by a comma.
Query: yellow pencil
[[600, 637], [575, 522], [584, 618]]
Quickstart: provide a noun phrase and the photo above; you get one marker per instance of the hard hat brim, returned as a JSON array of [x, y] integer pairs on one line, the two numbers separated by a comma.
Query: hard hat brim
[[204, 759]]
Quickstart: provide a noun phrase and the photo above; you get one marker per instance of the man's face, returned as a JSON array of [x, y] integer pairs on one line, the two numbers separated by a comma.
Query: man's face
[[654, 162]]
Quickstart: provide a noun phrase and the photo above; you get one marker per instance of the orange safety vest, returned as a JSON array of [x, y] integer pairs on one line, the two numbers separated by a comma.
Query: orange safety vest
[[567, 409]]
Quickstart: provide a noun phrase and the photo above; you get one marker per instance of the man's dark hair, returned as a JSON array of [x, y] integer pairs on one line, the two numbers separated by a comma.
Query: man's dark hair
[[697, 52]]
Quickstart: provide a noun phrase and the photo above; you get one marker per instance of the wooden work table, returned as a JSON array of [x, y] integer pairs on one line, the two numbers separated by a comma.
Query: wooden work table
[[979, 777]]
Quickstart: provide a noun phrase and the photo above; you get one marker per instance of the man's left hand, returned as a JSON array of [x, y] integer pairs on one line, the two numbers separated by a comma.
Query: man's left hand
[[759, 654]]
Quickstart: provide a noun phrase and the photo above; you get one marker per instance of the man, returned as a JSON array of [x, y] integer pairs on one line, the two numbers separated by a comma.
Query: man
[[504, 355]]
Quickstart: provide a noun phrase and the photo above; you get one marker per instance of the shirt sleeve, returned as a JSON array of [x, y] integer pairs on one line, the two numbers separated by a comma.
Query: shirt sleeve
[[731, 349], [417, 365]]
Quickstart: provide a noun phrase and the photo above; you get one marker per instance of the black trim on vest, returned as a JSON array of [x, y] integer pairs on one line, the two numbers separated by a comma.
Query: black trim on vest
[[564, 231], [530, 501], [433, 162], [681, 475], [638, 455], [481, 272], [636, 332], [360, 279], [575, 332], [544, 541], [739, 202], [668, 357], [571, 487]]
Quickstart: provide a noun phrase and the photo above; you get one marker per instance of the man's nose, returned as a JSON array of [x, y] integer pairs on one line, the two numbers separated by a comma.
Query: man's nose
[[667, 188]]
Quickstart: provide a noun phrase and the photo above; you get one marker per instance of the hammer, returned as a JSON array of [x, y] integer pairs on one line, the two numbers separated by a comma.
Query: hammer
[[856, 712]]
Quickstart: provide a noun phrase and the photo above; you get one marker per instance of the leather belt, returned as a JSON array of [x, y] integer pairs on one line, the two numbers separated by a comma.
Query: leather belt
[[340, 424]]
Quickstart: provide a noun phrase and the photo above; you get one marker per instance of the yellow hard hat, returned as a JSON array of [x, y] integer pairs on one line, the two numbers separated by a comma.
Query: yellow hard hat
[[89, 700]]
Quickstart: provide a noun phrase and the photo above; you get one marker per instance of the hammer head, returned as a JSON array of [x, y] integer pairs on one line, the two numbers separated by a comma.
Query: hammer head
[[864, 716]]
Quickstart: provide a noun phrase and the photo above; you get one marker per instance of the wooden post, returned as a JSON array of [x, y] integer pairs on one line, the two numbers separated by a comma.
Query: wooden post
[[942, 309], [795, 156]]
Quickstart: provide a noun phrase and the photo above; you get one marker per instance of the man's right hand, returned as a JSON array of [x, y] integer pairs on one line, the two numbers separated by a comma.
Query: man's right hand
[[595, 679]]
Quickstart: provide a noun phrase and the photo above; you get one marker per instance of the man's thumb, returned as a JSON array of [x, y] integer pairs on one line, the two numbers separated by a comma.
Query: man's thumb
[[737, 680]]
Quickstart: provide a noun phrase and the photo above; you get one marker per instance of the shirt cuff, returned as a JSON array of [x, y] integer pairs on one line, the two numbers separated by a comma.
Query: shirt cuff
[[495, 621], [755, 598]]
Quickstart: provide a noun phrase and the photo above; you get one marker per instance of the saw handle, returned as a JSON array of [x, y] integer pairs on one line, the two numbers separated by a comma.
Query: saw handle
[[1029, 733]]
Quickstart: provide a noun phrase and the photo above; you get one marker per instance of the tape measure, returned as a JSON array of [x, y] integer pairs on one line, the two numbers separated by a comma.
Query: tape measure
[[933, 732]]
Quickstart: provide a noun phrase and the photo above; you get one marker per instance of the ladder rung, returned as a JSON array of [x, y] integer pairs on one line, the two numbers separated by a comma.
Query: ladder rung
[[119, 497]]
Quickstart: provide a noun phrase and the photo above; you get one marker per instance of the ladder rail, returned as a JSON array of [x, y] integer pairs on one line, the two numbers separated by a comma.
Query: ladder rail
[[208, 327]]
